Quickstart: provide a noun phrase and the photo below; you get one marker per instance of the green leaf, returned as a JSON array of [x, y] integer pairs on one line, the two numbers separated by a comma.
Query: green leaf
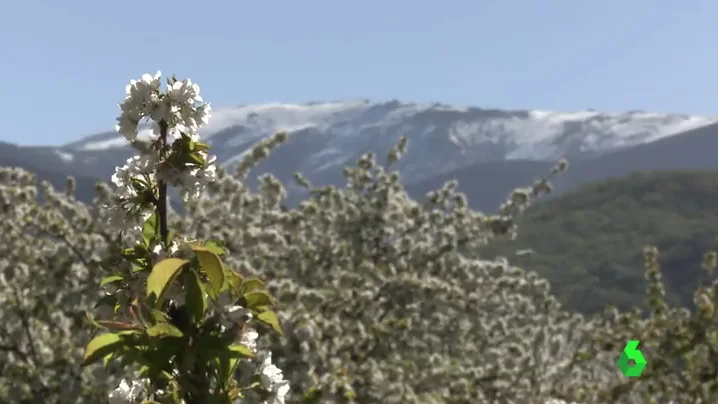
[[138, 185], [216, 246], [194, 157], [107, 300], [149, 229], [199, 146], [142, 312], [270, 318], [106, 360], [91, 319], [115, 325], [253, 300], [109, 264], [232, 282], [101, 346], [137, 255], [129, 358], [111, 279], [161, 355], [239, 350], [312, 396], [212, 266], [226, 369], [158, 316], [164, 330], [251, 285], [228, 359], [138, 268], [141, 250], [210, 324], [196, 302], [144, 371], [162, 275]]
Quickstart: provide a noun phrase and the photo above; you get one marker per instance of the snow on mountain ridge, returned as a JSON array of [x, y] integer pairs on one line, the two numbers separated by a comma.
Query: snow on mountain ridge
[[442, 137], [598, 131], [536, 125]]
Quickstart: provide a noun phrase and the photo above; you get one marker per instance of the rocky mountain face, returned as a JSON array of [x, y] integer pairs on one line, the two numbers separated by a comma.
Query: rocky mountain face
[[489, 151]]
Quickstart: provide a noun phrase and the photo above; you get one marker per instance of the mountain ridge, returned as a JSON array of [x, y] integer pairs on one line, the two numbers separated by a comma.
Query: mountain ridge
[[487, 184], [491, 151], [443, 137]]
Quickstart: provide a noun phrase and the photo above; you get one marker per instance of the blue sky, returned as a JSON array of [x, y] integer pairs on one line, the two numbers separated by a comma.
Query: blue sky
[[65, 64]]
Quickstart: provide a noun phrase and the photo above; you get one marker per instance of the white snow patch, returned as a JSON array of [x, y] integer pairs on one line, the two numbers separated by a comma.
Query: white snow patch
[[117, 141], [540, 137], [329, 158], [438, 141], [65, 156], [274, 117], [105, 144]]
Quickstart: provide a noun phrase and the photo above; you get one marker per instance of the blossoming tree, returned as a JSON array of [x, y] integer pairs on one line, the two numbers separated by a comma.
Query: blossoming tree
[[359, 295]]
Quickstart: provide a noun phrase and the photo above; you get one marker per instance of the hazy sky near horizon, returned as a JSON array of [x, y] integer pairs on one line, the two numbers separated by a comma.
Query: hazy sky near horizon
[[65, 64]]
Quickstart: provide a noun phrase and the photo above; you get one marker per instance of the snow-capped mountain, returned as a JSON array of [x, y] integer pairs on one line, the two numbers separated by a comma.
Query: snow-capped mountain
[[490, 151], [323, 137]]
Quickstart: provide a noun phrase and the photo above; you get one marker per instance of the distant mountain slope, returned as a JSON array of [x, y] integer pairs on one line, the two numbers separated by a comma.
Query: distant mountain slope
[[323, 137], [589, 242], [48, 165], [487, 184], [489, 151]]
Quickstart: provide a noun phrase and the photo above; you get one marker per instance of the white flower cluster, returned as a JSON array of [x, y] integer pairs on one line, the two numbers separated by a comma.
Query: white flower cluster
[[48, 245], [385, 299], [136, 168], [128, 392], [173, 115], [270, 375], [191, 181], [272, 380], [176, 107]]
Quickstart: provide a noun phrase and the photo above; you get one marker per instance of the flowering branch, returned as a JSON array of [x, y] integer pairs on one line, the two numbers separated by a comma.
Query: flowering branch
[[178, 311]]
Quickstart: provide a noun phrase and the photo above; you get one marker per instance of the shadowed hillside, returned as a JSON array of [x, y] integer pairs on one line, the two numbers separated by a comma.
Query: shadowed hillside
[[589, 242]]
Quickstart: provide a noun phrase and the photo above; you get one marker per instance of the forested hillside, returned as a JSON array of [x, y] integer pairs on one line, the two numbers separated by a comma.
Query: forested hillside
[[589, 243]]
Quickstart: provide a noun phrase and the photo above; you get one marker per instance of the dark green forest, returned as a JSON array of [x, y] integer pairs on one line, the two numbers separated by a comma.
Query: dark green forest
[[589, 243]]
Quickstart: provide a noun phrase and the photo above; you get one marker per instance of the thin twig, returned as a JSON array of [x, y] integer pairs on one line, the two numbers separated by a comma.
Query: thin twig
[[162, 200]]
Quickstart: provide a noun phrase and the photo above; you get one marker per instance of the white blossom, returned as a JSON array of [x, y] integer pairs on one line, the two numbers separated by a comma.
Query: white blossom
[[272, 380], [184, 91], [248, 338], [136, 167], [177, 109], [127, 393]]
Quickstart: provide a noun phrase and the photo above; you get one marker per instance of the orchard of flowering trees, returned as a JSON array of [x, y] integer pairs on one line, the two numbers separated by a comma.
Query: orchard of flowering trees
[[358, 295]]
